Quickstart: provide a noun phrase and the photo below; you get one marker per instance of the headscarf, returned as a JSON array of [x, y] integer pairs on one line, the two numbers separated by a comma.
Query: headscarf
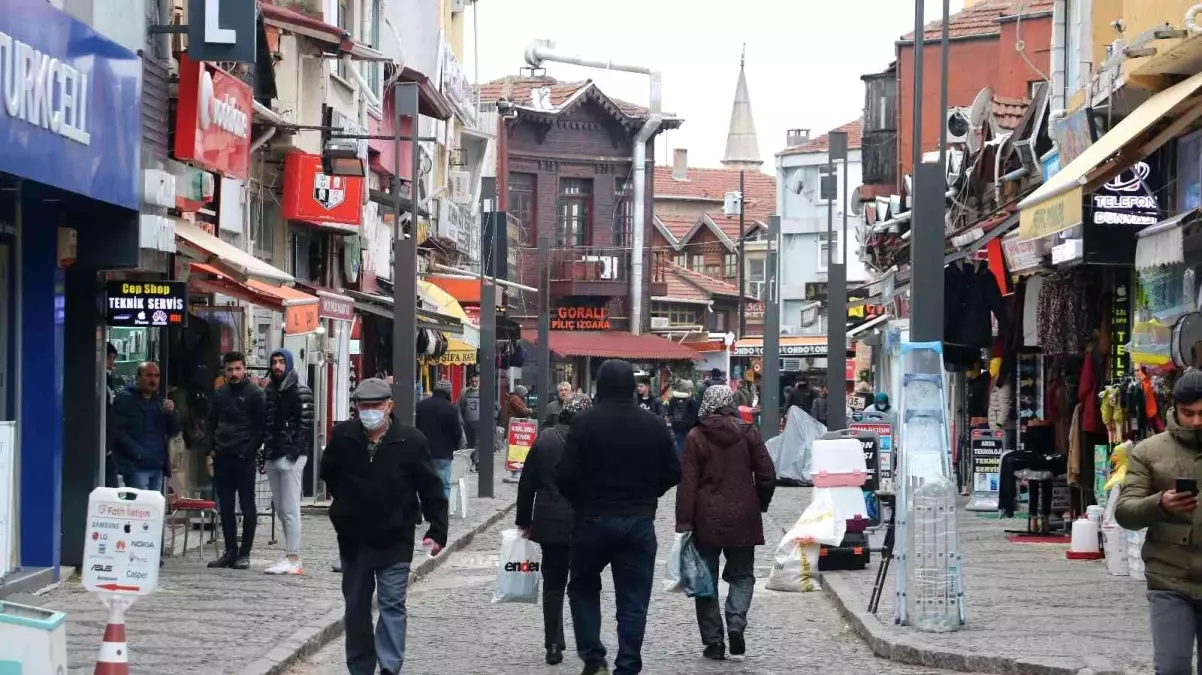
[[716, 398], [443, 385], [574, 404], [520, 391]]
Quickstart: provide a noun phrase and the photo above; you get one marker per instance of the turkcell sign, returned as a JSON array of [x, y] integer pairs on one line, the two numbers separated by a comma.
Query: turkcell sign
[[71, 116]]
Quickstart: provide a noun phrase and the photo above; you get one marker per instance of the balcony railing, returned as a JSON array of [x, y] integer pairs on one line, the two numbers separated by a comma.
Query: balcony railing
[[588, 264]]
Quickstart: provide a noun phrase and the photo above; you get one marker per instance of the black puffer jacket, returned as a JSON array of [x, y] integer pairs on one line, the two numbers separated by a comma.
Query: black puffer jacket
[[238, 419], [438, 419], [619, 459], [289, 419], [540, 506]]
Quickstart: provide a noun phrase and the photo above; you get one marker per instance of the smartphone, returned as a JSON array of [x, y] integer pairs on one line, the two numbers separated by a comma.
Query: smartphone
[[1189, 485]]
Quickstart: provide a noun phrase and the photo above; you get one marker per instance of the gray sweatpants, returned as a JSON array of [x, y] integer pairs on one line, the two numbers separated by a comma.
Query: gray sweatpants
[[286, 479], [1176, 629]]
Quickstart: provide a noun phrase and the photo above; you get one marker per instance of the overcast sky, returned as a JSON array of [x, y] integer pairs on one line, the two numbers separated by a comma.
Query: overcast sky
[[804, 57]]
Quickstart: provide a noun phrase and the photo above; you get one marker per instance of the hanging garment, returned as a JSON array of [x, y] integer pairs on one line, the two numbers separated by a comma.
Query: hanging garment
[[1001, 405], [1063, 313], [971, 297], [1074, 446], [1030, 320]]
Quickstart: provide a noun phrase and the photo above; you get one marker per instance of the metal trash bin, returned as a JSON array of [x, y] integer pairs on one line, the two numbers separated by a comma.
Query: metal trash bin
[[32, 640]]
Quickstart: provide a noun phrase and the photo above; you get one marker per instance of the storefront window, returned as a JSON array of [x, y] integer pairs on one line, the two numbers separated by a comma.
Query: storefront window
[[1189, 172], [134, 346]]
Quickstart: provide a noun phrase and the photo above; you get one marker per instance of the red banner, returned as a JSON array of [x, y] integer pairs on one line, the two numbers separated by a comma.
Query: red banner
[[314, 197], [521, 435], [212, 121]]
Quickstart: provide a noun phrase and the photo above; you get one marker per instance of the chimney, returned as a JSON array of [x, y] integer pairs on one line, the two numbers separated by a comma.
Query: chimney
[[680, 164], [795, 137]]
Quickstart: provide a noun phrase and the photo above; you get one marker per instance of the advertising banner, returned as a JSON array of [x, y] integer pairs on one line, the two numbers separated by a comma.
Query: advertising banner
[[986, 446], [123, 541], [882, 455], [212, 122], [520, 438]]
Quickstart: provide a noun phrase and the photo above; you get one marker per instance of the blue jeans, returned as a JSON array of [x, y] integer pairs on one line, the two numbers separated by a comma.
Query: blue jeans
[[390, 583], [628, 545], [443, 467], [143, 479]]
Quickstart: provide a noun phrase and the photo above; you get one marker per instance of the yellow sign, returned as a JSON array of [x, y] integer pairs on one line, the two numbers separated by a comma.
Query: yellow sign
[[1054, 215], [456, 358]]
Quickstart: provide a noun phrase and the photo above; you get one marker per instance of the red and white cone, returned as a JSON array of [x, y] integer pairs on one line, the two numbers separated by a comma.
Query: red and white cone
[[114, 653]]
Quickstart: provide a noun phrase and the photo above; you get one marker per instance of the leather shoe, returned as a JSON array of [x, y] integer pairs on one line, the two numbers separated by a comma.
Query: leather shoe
[[554, 655]]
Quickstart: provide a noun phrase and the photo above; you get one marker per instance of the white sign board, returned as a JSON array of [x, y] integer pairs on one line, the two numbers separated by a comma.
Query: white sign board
[[8, 510], [123, 541]]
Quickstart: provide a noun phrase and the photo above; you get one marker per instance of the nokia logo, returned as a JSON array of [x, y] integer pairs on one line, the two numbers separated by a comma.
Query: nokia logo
[[141, 544]]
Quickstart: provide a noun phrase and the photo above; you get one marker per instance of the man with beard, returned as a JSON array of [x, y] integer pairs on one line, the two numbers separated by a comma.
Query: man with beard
[[288, 441], [237, 421]]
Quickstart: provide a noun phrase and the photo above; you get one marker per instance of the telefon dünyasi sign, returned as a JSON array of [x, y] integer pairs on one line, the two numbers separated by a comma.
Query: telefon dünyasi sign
[[44, 91]]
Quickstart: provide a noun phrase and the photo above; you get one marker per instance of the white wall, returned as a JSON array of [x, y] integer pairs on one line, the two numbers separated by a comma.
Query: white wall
[[418, 24], [122, 21]]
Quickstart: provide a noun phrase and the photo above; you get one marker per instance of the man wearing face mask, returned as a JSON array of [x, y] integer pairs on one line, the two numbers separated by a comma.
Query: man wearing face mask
[[1161, 494], [237, 422], [382, 481]]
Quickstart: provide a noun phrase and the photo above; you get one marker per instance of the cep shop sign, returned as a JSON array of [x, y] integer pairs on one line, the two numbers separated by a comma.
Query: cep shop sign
[[222, 30], [153, 304], [1126, 204]]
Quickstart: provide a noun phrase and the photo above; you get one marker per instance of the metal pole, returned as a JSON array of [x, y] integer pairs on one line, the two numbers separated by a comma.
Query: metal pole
[[544, 326], [486, 428], [919, 43], [404, 265], [770, 403], [943, 58], [742, 259]]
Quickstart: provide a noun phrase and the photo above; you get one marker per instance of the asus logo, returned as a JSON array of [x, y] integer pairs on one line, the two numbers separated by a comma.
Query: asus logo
[[102, 568]]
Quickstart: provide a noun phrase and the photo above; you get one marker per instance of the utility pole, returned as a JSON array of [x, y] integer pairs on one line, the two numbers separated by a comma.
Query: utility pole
[[544, 326], [770, 406], [404, 264], [742, 271], [836, 288]]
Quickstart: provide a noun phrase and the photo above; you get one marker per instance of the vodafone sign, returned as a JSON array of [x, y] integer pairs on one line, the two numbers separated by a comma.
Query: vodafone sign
[[212, 123]]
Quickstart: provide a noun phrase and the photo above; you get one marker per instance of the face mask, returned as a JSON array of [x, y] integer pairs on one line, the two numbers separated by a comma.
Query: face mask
[[372, 419]]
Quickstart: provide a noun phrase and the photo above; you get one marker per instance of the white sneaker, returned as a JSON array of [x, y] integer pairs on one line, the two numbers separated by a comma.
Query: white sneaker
[[295, 568], [280, 567]]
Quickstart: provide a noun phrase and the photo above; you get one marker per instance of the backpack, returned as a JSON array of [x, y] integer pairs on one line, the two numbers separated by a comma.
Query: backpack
[[678, 409]]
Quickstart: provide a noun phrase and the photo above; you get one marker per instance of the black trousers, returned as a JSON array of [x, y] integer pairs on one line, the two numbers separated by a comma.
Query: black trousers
[[555, 581], [234, 477]]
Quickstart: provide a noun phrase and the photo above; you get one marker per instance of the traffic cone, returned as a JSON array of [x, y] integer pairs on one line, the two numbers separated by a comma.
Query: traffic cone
[[114, 654]]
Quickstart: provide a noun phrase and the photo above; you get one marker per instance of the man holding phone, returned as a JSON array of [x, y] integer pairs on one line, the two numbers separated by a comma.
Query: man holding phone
[[1161, 494]]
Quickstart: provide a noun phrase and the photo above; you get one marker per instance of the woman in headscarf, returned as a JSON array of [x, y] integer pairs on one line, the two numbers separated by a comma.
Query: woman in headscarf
[[545, 517], [727, 480]]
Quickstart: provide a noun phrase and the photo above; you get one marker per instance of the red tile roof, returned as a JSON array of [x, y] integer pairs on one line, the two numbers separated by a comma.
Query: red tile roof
[[615, 345], [1008, 111], [711, 186], [678, 226], [822, 143], [980, 19], [702, 287], [518, 88]]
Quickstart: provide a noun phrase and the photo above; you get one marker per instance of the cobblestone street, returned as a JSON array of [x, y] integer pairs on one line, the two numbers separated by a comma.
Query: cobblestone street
[[454, 630]]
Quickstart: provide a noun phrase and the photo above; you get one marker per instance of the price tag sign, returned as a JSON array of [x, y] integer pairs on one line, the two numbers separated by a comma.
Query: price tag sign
[[522, 432], [123, 541], [987, 446]]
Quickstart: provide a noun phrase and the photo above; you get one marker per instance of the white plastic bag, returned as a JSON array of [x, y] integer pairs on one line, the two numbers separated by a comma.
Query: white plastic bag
[[519, 570], [672, 581], [1135, 558], [794, 567], [818, 524], [1114, 538]]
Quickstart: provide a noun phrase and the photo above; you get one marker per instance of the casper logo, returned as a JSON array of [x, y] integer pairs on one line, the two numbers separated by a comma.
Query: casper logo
[[524, 566]]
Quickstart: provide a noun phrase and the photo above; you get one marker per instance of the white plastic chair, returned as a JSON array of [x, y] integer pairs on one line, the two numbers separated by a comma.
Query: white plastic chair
[[460, 466]]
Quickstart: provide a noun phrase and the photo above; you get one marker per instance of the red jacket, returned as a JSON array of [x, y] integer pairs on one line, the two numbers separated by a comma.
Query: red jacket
[[1087, 396]]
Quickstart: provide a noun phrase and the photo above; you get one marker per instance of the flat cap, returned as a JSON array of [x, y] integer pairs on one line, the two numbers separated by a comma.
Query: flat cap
[[372, 389]]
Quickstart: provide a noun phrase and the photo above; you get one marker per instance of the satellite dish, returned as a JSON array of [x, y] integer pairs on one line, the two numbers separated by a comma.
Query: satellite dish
[[794, 183], [854, 203], [978, 115], [909, 184]]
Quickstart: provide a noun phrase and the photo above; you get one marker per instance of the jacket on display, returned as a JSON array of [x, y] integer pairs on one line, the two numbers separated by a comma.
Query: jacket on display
[[540, 507], [971, 297], [438, 418], [289, 414]]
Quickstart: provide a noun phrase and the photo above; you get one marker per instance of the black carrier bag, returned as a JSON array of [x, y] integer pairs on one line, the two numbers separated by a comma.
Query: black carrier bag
[[851, 554]]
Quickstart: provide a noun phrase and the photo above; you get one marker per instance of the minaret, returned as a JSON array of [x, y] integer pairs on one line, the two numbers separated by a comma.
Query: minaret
[[742, 148]]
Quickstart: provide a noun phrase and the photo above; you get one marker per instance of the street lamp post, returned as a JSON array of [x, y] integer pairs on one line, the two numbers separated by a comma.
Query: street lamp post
[[404, 263], [742, 271], [836, 288]]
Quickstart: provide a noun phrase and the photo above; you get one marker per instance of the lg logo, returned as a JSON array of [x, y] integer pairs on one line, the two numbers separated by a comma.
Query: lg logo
[[222, 113]]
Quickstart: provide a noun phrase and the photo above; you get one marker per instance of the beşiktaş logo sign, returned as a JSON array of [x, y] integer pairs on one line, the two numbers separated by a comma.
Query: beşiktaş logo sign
[[43, 91], [1130, 198], [329, 191], [223, 113]]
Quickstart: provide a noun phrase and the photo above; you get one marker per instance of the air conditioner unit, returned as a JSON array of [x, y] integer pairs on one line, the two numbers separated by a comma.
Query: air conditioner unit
[[660, 322], [609, 266], [732, 203], [790, 365], [958, 124]]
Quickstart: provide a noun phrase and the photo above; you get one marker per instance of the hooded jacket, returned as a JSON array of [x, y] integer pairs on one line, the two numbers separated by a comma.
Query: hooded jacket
[[438, 418], [726, 482], [540, 506], [289, 414], [1173, 546], [682, 411], [619, 459]]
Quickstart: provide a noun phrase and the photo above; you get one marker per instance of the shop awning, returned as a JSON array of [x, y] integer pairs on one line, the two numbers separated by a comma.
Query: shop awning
[[790, 345], [1057, 204], [1162, 243], [230, 260], [316, 29], [381, 305], [463, 290], [615, 345], [299, 308], [443, 303]]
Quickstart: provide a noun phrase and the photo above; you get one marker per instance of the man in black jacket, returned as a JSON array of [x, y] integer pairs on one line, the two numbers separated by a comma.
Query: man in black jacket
[[438, 418], [286, 447], [143, 422], [237, 421], [378, 470], [618, 461]]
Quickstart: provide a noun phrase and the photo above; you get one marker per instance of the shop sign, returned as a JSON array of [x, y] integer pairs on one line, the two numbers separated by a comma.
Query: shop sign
[[878, 459], [301, 319], [222, 30], [1073, 134], [754, 311], [1130, 198], [986, 446], [1023, 255], [350, 126], [122, 542], [149, 304], [337, 307], [452, 221], [580, 318], [1120, 329], [456, 358], [212, 121], [312, 196], [786, 350], [73, 107], [1049, 217], [520, 437], [457, 88]]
